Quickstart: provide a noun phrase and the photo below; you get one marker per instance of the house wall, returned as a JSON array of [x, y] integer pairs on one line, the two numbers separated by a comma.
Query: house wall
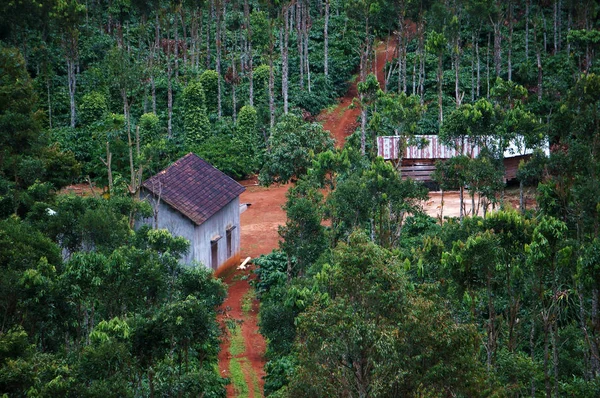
[[200, 236], [228, 216]]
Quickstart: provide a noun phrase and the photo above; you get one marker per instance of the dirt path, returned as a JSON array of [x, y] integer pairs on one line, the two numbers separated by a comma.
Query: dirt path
[[342, 121], [259, 235]]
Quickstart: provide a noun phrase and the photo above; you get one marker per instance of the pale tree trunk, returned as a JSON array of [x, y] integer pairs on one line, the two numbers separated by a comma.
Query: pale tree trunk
[[458, 96], [363, 126], [305, 27], [218, 66], [209, 17], [538, 56], [249, 54], [169, 87], [440, 82], [510, 37], [233, 84], [70, 45], [421, 56], [299, 41], [284, 57], [478, 64], [271, 87], [326, 40], [555, 24], [176, 45], [532, 355], [497, 47], [488, 67], [527, 6], [184, 31], [72, 80]]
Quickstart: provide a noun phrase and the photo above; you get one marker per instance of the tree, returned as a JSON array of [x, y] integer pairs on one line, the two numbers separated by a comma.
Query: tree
[[370, 334], [292, 145], [195, 120]]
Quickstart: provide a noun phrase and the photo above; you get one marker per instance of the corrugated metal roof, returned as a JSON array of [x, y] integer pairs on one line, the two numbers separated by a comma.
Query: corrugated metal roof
[[388, 146]]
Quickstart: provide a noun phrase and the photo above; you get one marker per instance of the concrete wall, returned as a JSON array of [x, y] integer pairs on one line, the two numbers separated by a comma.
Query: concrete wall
[[227, 217], [200, 236]]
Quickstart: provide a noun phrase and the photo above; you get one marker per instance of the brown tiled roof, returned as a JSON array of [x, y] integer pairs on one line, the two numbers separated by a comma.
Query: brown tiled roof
[[194, 187]]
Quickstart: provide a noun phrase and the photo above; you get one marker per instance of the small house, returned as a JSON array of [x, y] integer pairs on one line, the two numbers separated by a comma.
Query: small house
[[194, 200]]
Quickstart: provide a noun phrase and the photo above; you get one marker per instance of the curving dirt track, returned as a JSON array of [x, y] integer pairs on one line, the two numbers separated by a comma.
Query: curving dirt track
[[259, 224]]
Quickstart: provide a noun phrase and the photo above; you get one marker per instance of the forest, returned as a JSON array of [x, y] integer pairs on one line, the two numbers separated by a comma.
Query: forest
[[367, 296]]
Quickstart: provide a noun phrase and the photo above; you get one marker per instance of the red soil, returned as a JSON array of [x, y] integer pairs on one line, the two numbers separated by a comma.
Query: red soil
[[259, 224], [259, 235]]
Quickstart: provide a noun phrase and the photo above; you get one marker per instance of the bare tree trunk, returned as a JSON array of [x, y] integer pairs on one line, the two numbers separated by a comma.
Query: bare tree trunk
[[532, 355], [184, 31], [271, 87], [305, 27], [555, 357], [326, 41], [363, 125], [555, 24], [233, 84], [488, 68], [169, 87], [284, 57], [49, 101], [176, 45], [218, 68], [478, 63], [300, 40], [527, 5], [510, 37], [421, 55], [249, 54], [71, 50], [539, 64], [497, 48], [209, 17]]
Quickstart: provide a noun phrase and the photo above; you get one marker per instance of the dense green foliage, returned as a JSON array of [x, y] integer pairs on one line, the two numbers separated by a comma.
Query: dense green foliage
[[367, 296]]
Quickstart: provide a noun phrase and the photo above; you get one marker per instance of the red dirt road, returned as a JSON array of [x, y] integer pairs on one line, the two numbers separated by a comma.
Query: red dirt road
[[259, 224]]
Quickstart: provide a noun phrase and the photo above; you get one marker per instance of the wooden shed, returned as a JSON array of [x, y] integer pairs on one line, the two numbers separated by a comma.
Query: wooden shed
[[418, 162], [194, 200]]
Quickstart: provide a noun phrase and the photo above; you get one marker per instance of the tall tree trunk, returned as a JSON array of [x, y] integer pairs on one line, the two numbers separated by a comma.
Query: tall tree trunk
[[538, 56], [488, 67], [326, 41], [363, 125], [284, 57], [49, 100], [532, 355], [219, 43], [300, 41], [209, 17], [249, 54], [478, 65], [439, 83], [510, 38], [271, 86], [305, 27], [527, 6], [497, 47], [555, 24], [176, 44], [184, 31], [169, 86], [72, 78]]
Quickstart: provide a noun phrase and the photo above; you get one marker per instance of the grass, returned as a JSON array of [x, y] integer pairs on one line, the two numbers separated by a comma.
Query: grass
[[237, 345], [248, 301], [237, 377]]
